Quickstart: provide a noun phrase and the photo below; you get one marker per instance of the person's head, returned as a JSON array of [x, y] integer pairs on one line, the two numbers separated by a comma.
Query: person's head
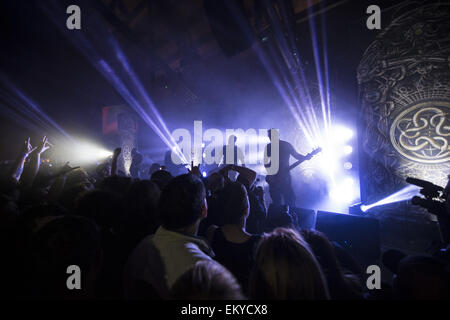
[[161, 178], [323, 251], [70, 195], [235, 203], [422, 277], [207, 280], [182, 203], [104, 207], [341, 285], [153, 168], [63, 242], [76, 177], [103, 170], [216, 182], [35, 217], [116, 184], [285, 268], [141, 204], [278, 216]]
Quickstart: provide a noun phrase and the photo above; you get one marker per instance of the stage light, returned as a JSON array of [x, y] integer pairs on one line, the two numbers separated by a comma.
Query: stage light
[[348, 149], [348, 165], [204, 174], [344, 191], [88, 152], [356, 209], [402, 195], [341, 134]]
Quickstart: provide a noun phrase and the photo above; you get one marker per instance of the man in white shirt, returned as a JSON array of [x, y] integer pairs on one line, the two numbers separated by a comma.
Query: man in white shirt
[[160, 259]]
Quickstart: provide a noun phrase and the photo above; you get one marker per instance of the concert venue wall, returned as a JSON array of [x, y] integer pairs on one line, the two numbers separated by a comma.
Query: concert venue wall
[[404, 92]]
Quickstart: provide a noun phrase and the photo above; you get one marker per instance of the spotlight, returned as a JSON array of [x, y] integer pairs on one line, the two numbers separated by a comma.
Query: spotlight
[[356, 209], [341, 134], [348, 165], [88, 152], [344, 192], [402, 195], [348, 150], [204, 174]]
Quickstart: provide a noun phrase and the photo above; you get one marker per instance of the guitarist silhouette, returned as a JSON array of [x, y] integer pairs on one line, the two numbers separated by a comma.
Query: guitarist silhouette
[[280, 185]]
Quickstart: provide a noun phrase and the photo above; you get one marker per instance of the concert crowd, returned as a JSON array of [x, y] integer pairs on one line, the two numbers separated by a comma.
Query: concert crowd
[[164, 237]]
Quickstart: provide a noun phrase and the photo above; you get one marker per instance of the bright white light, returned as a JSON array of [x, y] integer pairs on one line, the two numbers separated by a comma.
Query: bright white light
[[86, 152], [204, 174], [341, 134], [404, 194], [349, 182], [344, 191], [347, 150], [327, 161]]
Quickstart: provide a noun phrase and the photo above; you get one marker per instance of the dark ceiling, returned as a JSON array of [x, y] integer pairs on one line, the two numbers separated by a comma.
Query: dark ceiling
[[176, 54]]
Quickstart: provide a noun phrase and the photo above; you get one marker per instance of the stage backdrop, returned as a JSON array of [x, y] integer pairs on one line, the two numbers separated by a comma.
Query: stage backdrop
[[404, 87]]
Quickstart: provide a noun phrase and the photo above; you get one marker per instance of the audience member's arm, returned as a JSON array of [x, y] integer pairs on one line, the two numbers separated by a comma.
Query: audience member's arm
[[35, 161], [224, 172], [195, 170], [17, 167], [115, 157], [247, 173]]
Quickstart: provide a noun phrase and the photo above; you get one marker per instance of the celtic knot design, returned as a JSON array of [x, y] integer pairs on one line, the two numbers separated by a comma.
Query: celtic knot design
[[421, 133]]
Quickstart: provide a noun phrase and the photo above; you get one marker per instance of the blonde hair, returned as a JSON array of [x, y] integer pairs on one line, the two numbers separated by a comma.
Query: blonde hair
[[285, 268], [207, 280]]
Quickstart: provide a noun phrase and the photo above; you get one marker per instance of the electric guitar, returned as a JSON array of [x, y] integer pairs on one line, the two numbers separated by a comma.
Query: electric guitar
[[276, 177]]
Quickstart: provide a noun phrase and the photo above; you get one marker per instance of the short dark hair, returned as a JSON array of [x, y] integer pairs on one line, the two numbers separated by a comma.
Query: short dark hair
[[235, 202], [181, 202], [161, 178]]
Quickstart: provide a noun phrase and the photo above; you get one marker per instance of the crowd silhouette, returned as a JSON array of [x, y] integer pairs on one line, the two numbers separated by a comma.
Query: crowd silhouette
[[184, 237]]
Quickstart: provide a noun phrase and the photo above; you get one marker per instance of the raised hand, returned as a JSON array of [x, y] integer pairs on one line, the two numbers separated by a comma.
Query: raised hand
[[43, 146], [27, 148], [66, 169], [195, 170]]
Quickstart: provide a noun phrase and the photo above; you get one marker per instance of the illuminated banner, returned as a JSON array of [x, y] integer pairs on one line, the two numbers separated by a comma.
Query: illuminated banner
[[404, 84]]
